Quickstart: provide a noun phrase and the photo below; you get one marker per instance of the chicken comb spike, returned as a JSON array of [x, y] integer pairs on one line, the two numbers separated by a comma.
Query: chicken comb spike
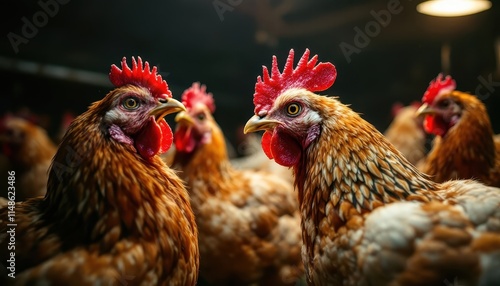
[[306, 75], [438, 86], [197, 93], [139, 75]]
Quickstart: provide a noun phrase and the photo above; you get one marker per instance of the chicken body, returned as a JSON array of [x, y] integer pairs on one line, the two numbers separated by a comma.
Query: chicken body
[[406, 133], [369, 217], [464, 147], [248, 221], [112, 215], [29, 151]]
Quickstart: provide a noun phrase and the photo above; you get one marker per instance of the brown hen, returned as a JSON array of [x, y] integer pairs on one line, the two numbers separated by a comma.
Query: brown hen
[[248, 222], [29, 151], [114, 213], [464, 147], [369, 217]]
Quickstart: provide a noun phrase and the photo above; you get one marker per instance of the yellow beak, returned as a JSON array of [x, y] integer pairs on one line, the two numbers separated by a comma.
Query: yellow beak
[[425, 109], [165, 108], [184, 118], [257, 123]]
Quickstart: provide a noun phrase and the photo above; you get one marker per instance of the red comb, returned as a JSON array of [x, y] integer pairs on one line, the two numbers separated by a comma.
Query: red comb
[[306, 75], [139, 75], [438, 86], [197, 93]]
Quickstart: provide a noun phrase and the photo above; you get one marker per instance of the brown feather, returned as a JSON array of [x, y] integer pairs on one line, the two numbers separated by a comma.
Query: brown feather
[[108, 214], [413, 231]]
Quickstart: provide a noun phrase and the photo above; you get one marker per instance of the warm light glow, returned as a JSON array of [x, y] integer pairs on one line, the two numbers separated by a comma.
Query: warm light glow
[[453, 8]]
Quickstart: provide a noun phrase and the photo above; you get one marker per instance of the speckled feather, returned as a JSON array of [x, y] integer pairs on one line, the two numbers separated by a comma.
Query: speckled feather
[[369, 217], [248, 222], [109, 216]]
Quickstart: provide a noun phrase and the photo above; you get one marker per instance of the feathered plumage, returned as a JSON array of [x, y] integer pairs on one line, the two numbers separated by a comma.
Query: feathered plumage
[[114, 213], [369, 217]]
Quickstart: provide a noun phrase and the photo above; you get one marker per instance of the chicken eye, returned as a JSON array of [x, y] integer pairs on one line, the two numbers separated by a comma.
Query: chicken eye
[[293, 109], [130, 103], [444, 103], [201, 116]]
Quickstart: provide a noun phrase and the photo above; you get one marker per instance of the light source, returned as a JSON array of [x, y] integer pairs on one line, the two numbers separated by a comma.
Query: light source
[[453, 8]]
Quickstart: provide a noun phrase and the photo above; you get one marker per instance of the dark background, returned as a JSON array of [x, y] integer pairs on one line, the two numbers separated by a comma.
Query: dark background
[[191, 40]]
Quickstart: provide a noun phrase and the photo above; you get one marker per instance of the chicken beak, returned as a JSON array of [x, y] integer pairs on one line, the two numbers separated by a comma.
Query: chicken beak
[[425, 109], [257, 123], [167, 107], [183, 118]]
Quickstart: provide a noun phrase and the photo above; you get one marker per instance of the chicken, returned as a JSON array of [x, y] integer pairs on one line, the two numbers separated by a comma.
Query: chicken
[[29, 151], [248, 222], [369, 217], [114, 213], [406, 133], [464, 147]]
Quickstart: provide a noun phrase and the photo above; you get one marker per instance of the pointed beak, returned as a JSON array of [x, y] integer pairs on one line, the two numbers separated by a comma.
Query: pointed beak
[[183, 118], [166, 107], [257, 123], [425, 109]]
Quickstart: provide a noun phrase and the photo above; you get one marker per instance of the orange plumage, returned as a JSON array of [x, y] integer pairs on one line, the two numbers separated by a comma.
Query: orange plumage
[[29, 151], [114, 213], [248, 222], [369, 217], [464, 147]]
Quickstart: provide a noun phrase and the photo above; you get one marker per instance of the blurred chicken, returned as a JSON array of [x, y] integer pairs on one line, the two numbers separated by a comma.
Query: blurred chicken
[[464, 147], [248, 222], [114, 213], [406, 133], [369, 217], [29, 151]]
